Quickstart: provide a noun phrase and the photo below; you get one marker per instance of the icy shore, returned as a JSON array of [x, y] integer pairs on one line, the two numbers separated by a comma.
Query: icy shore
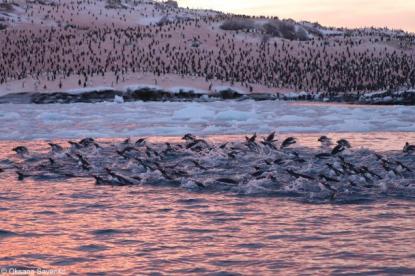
[[56, 121]]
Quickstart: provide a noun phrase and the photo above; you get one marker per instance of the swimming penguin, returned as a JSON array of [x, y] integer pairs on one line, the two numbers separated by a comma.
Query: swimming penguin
[[85, 164], [288, 142], [338, 149], [258, 172], [21, 151], [120, 178], [334, 169], [365, 170], [327, 179], [323, 156], [86, 142], [140, 142], [389, 169], [270, 138], [223, 146], [408, 148], [251, 139], [189, 137], [52, 161], [344, 143], [55, 148], [198, 165], [197, 144], [232, 155], [279, 161], [299, 175], [324, 139], [100, 181], [228, 181], [296, 157], [74, 145], [21, 176], [327, 186], [123, 152], [126, 141], [402, 166]]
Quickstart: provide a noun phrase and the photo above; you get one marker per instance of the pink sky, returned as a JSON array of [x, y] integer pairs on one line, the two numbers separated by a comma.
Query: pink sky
[[396, 14]]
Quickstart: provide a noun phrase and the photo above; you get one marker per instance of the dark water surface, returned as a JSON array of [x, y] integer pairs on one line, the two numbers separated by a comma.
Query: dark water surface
[[80, 228]]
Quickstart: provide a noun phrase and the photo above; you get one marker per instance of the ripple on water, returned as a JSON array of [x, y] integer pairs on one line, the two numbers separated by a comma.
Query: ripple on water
[[107, 232], [251, 235], [47, 213], [70, 261], [7, 234], [251, 245], [92, 248], [190, 201]]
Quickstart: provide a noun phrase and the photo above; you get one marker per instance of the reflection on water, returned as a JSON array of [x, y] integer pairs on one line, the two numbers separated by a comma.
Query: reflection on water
[[80, 228]]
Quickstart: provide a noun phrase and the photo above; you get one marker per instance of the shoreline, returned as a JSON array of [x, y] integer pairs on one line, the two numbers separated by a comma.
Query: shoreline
[[156, 94]]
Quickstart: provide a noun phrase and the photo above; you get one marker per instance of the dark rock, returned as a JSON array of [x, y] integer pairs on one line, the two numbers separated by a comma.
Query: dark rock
[[172, 3], [237, 24]]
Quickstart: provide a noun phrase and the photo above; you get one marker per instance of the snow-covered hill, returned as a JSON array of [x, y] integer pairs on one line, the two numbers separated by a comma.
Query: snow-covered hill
[[58, 45]]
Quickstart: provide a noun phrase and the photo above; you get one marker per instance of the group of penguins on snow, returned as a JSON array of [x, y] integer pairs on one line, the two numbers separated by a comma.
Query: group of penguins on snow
[[76, 55], [205, 164]]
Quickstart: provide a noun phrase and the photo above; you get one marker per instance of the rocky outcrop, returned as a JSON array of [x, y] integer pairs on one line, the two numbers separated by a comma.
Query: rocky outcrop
[[237, 24], [404, 97], [172, 3], [115, 4]]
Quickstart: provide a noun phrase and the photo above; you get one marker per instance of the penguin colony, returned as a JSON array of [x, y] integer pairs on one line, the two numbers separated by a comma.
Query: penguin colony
[[74, 42]]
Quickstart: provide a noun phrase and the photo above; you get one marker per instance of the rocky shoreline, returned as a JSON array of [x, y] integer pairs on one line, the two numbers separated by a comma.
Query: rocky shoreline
[[401, 97]]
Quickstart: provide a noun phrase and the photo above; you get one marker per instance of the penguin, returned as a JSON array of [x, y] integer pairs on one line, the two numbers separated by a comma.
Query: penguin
[[21, 176], [390, 170], [126, 141], [75, 145], [324, 139], [334, 169], [251, 139], [404, 167], [100, 181], [85, 164], [228, 181], [55, 148], [21, 151], [288, 142], [365, 170], [338, 149], [344, 143], [299, 175], [327, 179], [270, 138], [119, 178], [140, 142], [323, 156], [328, 187], [86, 142], [232, 155], [408, 148], [200, 143], [189, 137]]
